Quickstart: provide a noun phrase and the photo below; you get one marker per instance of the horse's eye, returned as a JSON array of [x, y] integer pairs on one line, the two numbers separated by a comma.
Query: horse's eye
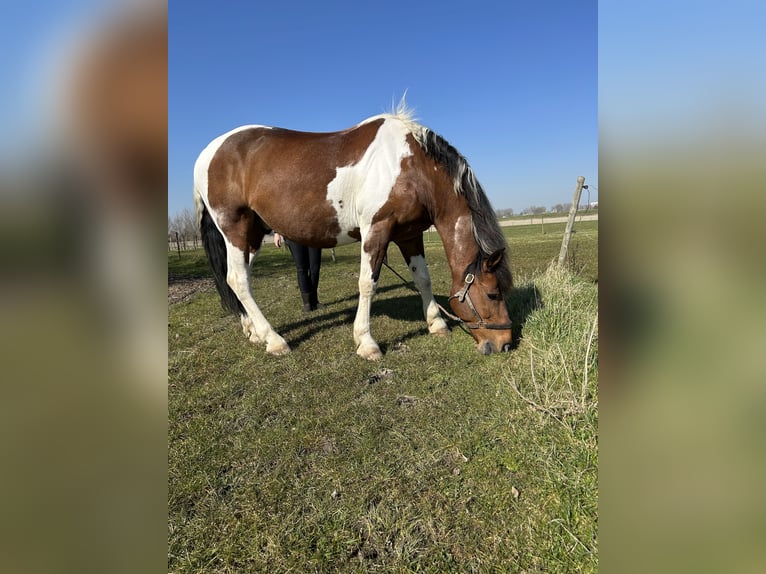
[[494, 296]]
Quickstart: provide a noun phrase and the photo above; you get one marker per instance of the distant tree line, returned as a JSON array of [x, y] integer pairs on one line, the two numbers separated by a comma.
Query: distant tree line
[[539, 209], [184, 224]]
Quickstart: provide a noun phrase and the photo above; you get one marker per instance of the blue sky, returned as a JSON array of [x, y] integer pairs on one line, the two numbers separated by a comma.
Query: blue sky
[[512, 85]]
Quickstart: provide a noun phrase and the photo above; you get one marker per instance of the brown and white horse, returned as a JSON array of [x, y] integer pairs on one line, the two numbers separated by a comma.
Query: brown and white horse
[[387, 179]]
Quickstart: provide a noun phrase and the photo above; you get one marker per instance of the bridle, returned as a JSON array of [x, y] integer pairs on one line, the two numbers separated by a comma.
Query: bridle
[[463, 296]]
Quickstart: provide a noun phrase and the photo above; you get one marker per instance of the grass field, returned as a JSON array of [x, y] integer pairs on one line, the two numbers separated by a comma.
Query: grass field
[[434, 459]]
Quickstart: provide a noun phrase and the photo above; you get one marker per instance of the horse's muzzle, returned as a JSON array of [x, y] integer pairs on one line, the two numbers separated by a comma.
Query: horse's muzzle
[[487, 348]]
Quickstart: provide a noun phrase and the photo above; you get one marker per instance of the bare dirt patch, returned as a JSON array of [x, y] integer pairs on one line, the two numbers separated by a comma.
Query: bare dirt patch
[[181, 288]]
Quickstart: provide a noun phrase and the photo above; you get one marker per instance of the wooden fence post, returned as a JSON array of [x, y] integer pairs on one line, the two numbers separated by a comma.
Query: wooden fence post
[[570, 221]]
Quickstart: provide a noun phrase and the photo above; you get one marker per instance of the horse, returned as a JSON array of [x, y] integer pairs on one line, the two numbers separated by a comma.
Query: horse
[[386, 179]]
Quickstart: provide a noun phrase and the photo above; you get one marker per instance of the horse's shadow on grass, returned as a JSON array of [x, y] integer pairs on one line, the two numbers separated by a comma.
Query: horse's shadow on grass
[[406, 308], [521, 302]]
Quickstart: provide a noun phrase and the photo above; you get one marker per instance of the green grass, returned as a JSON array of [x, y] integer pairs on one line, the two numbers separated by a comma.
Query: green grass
[[533, 247], [434, 459]]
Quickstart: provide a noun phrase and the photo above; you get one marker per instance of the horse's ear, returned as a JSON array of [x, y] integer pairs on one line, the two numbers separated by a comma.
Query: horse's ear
[[491, 262]]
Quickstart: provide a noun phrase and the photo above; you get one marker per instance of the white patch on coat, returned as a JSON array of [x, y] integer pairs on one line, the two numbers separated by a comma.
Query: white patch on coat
[[359, 190], [463, 235]]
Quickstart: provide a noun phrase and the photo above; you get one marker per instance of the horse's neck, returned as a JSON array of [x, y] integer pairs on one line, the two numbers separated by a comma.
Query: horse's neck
[[456, 232]]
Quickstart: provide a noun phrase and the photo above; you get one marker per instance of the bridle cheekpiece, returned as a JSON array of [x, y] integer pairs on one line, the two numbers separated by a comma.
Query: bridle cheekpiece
[[463, 296]]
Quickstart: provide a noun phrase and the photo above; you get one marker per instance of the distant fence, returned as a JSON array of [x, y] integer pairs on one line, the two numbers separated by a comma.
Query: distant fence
[[181, 243], [178, 242], [539, 219]]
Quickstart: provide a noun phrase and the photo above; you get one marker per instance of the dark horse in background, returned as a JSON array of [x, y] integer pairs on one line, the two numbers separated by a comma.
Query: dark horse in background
[[387, 179]]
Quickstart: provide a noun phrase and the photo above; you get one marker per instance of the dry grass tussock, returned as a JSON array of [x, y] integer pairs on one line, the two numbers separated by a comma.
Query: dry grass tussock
[[555, 371]]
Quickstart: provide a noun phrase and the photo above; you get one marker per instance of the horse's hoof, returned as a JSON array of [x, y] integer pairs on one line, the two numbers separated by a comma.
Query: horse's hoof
[[370, 353], [277, 352], [439, 328], [277, 348]]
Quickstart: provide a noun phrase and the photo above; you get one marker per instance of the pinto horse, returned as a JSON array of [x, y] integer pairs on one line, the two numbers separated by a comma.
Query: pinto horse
[[387, 179]]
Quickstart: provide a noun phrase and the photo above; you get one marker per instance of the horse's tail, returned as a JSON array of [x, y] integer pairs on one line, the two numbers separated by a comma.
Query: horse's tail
[[199, 207], [215, 247]]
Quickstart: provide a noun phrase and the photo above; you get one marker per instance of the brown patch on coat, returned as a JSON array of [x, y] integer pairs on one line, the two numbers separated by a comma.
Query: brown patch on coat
[[282, 175]]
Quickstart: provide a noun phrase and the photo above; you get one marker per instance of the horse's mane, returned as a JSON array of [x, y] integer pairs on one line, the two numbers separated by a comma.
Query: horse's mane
[[486, 230]]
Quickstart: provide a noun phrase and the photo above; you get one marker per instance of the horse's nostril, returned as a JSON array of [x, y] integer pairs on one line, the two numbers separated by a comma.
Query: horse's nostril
[[486, 348], [506, 348]]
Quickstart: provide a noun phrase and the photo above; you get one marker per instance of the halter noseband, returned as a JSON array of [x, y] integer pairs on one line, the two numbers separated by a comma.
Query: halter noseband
[[463, 296]]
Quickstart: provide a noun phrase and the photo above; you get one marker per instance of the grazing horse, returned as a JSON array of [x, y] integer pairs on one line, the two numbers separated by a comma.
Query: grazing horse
[[387, 179]]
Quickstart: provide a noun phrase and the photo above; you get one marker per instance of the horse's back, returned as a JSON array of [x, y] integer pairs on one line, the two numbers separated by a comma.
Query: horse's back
[[315, 188]]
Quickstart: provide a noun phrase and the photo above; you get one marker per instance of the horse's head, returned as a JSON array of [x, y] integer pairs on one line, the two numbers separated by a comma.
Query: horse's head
[[478, 300]]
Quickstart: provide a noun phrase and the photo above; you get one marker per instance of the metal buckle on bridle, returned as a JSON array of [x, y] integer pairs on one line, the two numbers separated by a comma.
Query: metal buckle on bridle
[[469, 279]]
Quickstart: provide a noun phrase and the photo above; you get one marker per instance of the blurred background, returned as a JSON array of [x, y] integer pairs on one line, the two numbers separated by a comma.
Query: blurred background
[[682, 139], [83, 178]]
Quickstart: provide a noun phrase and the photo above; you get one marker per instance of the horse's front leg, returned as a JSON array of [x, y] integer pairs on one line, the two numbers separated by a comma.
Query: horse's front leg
[[413, 252], [373, 250]]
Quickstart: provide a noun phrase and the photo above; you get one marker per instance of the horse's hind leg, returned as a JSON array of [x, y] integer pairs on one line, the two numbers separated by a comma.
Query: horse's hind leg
[[238, 260], [414, 254], [247, 324]]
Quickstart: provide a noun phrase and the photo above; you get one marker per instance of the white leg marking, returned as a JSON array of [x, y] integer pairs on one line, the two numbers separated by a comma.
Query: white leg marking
[[247, 325], [365, 344], [238, 278], [422, 280], [247, 328]]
